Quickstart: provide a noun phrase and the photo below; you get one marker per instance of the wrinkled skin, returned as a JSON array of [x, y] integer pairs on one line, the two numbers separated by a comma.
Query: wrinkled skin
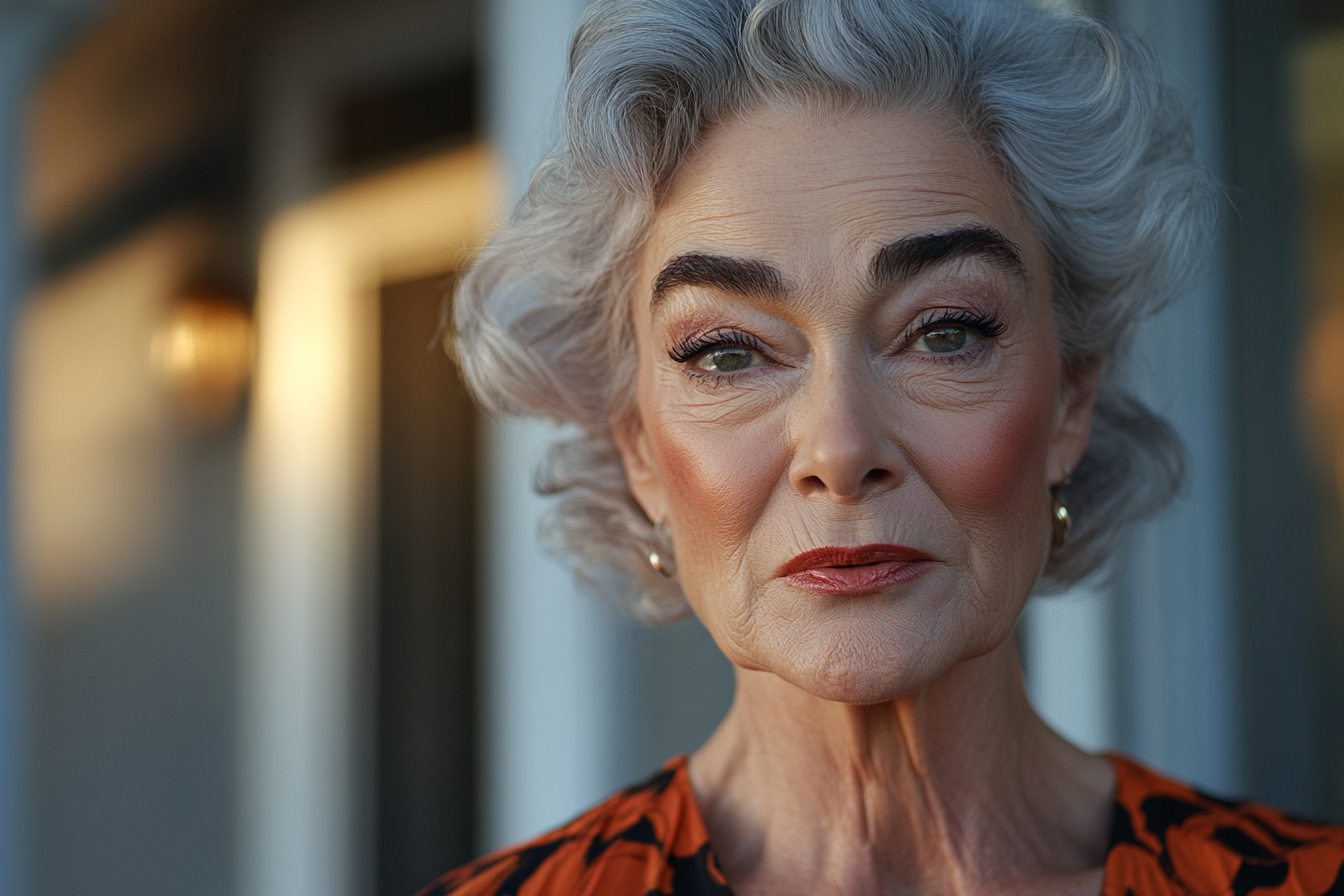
[[809, 403]]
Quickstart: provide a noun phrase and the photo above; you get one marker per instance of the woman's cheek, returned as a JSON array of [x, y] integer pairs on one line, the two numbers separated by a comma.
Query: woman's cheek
[[987, 469], [719, 481], [993, 457], [986, 441]]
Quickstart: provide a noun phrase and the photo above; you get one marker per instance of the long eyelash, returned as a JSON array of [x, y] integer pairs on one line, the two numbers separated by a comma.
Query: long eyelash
[[987, 324], [690, 346]]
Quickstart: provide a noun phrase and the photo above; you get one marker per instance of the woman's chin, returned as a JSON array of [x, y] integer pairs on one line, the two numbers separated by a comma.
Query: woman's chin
[[873, 664], [860, 677], [855, 690]]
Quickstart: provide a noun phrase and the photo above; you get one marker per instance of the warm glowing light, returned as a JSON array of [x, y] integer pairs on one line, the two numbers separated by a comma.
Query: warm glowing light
[[1323, 392], [205, 350]]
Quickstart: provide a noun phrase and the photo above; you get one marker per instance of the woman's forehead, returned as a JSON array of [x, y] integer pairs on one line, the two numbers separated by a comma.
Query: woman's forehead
[[776, 183]]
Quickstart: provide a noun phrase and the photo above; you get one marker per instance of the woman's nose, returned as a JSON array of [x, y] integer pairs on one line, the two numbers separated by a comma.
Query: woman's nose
[[842, 439]]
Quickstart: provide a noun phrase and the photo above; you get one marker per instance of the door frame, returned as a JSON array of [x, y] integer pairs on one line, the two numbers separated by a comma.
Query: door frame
[[310, 504]]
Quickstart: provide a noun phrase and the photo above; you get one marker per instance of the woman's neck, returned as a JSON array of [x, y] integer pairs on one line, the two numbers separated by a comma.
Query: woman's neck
[[957, 789]]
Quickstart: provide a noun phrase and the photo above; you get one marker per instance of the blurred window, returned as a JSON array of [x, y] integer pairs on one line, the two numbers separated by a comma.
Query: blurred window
[[1317, 85]]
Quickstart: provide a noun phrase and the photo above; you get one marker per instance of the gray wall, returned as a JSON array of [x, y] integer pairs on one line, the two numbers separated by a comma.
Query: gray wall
[[133, 704], [27, 33]]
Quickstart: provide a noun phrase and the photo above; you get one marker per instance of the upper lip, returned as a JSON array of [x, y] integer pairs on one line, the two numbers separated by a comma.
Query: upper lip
[[862, 555]]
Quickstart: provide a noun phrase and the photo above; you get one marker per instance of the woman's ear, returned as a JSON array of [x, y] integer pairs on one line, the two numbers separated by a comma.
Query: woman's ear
[[641, 472], [1073, 420]]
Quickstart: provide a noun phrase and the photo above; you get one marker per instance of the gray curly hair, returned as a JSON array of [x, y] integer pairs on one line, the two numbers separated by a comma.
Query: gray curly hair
[[1098, 146]]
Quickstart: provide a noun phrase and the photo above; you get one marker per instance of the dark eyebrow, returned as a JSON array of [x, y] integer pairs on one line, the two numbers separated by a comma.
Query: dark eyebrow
[[906, 258], [742, 276]]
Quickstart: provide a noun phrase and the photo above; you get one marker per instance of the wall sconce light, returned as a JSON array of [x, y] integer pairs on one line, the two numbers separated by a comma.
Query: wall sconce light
[[204, 350]]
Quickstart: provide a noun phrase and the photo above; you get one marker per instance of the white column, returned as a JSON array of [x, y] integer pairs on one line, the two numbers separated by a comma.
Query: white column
[[1149, 666], [1178, 653], [551, 658]]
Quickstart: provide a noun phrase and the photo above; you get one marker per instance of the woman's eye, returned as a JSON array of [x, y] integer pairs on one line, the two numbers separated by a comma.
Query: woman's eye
[[943, 339], [728, 359]]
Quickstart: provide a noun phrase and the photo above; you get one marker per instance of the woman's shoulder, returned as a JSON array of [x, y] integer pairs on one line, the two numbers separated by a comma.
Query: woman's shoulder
[[648, 838], [1168, 838]]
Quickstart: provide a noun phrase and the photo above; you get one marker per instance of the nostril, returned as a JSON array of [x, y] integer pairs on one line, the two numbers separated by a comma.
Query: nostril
[[878, 477], [812, 484]]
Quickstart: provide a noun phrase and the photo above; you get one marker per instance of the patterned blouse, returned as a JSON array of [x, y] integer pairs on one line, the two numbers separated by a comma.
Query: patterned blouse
[[1166, 840]]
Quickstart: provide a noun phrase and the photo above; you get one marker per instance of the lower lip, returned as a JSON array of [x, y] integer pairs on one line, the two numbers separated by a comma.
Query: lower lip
[[865, 579]]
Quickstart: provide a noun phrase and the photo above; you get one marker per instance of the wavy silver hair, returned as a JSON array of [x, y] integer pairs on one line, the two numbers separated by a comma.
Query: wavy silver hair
[[1099, 147]]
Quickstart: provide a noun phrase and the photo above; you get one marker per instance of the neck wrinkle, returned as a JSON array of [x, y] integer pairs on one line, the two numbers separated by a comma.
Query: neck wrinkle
[[934, 792]]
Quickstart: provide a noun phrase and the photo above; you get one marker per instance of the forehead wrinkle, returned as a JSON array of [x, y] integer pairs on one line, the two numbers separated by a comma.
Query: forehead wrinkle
[[870, 212], [711, 196]]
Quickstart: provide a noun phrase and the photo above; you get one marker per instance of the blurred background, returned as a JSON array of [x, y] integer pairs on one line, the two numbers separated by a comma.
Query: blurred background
[[275, 621]]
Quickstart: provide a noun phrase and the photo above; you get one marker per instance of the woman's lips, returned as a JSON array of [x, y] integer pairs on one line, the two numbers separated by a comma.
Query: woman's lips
[[860, 570]]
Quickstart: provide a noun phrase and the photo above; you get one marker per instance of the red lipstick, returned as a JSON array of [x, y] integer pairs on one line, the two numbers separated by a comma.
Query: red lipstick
[[861, 570]]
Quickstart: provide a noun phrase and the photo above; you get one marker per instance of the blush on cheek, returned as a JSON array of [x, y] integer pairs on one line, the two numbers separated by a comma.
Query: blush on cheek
[[716, 478], [718, 482], [991, 463]]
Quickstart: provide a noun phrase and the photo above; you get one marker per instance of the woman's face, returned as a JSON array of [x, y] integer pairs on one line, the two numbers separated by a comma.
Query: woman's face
[[850, 402]]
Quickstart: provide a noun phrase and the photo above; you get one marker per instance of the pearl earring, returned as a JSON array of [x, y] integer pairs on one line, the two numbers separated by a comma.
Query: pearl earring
[[1062, 523]]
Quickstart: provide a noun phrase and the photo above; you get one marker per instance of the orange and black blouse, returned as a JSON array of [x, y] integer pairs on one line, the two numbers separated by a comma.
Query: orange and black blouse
[[1166, 840]]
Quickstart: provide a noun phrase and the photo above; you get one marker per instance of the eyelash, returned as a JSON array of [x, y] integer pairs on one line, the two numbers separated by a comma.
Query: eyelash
[[688, 348]]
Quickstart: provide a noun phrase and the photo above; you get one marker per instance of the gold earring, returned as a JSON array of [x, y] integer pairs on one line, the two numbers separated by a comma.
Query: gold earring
[[1062, 523], [660, 566]]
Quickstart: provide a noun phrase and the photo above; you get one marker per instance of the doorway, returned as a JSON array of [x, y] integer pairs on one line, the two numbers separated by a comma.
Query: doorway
[[426, 607]]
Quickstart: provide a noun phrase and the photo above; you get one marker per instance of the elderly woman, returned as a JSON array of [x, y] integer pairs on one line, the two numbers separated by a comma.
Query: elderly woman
[[836, 293]]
